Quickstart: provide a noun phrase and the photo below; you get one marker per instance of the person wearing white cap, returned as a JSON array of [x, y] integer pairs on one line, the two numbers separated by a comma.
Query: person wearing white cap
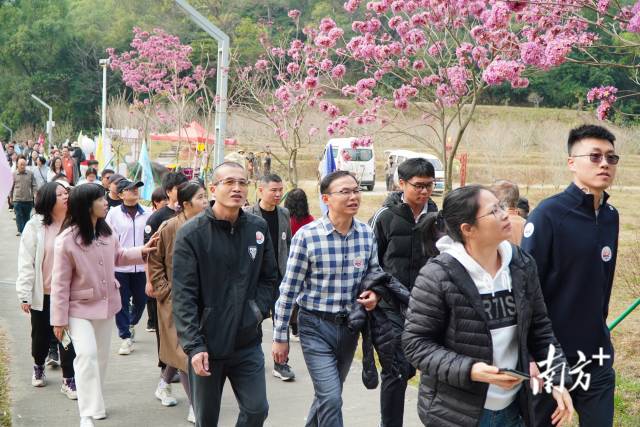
[[128, 222]]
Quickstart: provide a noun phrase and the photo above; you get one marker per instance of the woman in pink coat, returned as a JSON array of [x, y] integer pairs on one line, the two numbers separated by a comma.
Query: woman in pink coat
[[84, 291]]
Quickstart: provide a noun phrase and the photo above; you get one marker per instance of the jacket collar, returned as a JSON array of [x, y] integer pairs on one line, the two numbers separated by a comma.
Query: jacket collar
[[242, 216], [584, 199], [138, 208]]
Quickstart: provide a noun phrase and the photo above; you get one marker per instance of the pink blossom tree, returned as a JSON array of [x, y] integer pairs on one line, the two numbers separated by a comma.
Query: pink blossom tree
[[158, 69], [437, 56], [618, 27], [285, 85]]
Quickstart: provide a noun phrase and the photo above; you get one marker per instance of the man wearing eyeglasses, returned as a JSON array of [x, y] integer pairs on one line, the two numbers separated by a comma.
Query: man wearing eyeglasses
[[223, 281], [329, 257], [573, 237], [398, 229]]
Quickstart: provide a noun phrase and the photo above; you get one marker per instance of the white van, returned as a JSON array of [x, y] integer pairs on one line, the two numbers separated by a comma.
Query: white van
[[395, 157], [360, 161]]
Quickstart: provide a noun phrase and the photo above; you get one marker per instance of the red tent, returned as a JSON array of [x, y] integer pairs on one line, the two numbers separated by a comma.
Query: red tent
[[193, 133]]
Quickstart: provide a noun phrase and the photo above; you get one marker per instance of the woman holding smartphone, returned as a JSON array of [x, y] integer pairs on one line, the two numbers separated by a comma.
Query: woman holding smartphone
[[35, 267], [476, 311], [85, 296]]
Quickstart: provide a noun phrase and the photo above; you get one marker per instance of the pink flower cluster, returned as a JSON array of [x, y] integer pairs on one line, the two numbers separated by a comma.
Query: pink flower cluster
[[501, 71], [362, 141], [607, 97], [158, 64]]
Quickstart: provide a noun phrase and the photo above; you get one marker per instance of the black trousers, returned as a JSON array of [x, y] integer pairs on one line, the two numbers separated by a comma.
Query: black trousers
[[393, 386], [594, 406], [41, 333], [152, 313], [245, 371]]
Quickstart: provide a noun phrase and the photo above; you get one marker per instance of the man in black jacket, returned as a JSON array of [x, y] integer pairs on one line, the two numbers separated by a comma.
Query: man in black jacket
[[573, 237], [222, 289], [398, 229]]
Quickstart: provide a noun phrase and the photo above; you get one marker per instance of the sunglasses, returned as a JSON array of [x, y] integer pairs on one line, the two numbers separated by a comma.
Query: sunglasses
[[612, 159]]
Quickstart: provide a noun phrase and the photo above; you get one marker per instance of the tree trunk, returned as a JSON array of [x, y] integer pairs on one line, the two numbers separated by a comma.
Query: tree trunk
[[293, 168]]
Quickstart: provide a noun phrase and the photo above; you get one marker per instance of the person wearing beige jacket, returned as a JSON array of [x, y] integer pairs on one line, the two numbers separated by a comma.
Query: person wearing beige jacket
[[84, 291], [192, 200]]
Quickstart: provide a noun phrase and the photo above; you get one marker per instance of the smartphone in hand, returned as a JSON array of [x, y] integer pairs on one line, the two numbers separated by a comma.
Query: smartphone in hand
[[66, 339], [515, 374]]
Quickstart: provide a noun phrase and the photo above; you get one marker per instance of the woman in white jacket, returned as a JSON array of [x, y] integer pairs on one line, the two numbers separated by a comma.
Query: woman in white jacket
[[35, 266]]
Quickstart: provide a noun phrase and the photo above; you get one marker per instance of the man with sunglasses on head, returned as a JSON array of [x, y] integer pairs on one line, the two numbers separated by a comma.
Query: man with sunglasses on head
[[573, 237], [398, 230], [329, 257], [223, 286]]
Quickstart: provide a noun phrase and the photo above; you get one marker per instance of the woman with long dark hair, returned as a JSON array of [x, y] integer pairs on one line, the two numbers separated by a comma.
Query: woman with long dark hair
[[55, 168], [85, 296], [35, 267], [298, 207], [475, 315], [192, 200]]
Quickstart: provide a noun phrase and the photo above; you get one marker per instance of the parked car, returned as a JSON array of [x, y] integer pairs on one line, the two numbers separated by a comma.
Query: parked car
[[395, 157], [360, 161]]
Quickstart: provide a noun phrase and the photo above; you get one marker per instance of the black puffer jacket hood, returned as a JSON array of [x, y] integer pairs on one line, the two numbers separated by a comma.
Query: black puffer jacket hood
[[377, 331]]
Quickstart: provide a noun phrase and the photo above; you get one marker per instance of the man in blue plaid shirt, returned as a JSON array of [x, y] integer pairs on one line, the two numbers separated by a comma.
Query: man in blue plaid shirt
[[327, 261]]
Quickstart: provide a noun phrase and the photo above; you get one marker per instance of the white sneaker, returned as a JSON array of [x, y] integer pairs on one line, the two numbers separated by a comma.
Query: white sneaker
[[192, 416], [38, 379], [69, 388], [163, 394], [86, 422], [126, 347]]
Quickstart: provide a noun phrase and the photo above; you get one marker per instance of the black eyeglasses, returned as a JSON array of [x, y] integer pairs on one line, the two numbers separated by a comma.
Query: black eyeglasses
[[421, 186], [346, 192], [497, 209], [612, 159]]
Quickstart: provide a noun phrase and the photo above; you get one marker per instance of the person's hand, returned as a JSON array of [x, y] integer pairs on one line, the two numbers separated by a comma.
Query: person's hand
[[369, 300], [534, 372], [26, 308], [481, 372], [563, 415], [151, 244], [200, 363], [280, 352], [148, 290], [58, 331]]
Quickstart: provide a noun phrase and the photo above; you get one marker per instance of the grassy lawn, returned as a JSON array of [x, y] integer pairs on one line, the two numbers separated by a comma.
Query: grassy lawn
[[5, 402]]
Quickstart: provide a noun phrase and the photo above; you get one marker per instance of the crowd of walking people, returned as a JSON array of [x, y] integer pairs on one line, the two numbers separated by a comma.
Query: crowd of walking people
[[503, 313]]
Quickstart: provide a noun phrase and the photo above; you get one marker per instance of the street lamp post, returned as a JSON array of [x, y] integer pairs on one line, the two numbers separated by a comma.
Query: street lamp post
[[50, 122], [222, 76], [9, 129], [104, 63]]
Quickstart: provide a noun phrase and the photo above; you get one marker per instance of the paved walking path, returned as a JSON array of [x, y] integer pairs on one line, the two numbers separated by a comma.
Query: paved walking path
[[131, 380]]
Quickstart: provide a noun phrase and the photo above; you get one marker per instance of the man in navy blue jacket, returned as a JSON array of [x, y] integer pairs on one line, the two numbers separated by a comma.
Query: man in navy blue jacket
[[573, 237]]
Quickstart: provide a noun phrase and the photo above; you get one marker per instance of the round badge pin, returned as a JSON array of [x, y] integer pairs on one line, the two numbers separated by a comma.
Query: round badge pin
[[528, 229], [147, 229], [259, 237], [606, 254], [284, 235]]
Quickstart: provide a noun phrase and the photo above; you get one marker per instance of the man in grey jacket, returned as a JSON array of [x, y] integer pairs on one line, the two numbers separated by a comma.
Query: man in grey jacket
[[23, 193], [270, 190]]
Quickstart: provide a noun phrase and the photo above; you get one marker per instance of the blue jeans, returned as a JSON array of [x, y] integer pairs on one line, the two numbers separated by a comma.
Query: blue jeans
[[507, 417], [328, 350], [23, 213], [131, 290]]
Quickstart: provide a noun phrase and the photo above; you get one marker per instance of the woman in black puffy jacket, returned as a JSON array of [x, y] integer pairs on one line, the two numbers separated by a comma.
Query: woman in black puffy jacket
[[475, 310]]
